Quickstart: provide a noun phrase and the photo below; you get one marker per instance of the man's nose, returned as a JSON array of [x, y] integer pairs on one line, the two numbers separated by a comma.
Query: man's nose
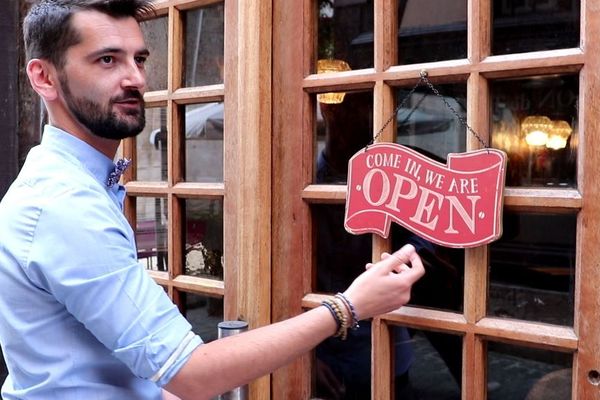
[[135, 77]]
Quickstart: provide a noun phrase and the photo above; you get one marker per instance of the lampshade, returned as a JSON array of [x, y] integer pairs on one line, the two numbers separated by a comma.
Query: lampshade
[[561, 130], [331, 65], [536, 129]]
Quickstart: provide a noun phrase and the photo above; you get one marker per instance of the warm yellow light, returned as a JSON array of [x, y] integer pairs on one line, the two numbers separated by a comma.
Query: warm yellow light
[[331, 65], [561, 130], [536, 129]]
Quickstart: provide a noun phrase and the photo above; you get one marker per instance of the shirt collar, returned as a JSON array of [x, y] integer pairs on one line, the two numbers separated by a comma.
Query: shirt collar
[[93, 160]]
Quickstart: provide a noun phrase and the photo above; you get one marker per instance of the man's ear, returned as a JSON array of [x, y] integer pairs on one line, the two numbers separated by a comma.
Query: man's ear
[[43, 78]]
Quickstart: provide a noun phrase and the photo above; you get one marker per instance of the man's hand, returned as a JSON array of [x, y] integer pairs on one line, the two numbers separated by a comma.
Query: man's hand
[[385, 285]]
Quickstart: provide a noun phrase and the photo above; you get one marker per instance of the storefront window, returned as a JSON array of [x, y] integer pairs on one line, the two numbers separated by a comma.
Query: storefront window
[[516, 372], [428, 125], [204, 142], [345, 33], [534, 121], [204, 39], [430, 30], [342, 129], [204, 238], [435, 367], [151, 232], [532, 25], [532, 268], [155, 34], [204, 314], [151, 147]]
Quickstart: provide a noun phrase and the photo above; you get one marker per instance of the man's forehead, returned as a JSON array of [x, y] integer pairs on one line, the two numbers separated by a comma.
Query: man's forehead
[[98, 29]]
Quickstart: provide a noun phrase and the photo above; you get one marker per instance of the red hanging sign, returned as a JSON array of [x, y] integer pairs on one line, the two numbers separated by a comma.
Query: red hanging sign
[[455, 205]]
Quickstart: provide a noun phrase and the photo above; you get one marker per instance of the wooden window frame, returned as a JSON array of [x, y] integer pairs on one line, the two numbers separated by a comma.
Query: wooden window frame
[[293, 85]]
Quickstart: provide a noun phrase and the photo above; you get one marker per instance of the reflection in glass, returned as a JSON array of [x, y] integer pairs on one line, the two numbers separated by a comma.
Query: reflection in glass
[[435, 367], [151, 232], [426, 124], [204, 142], [341, 257], [203, 313], [204, 33], [345, 32], [532, 25], [155, 34], [516, 372], [431, 30], [534, 121], [532, 268], [151, 147], [204, 238], [342, 129]]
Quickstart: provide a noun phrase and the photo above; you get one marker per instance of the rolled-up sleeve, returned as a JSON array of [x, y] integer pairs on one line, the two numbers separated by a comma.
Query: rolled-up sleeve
[[83, 254]]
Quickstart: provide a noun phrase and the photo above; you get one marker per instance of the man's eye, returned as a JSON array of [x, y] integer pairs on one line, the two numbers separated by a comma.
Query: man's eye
[[140, 60], [106, 59]]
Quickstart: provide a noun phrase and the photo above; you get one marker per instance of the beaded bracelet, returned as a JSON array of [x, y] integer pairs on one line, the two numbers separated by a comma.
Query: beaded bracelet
[[350, 307], [339, 316]]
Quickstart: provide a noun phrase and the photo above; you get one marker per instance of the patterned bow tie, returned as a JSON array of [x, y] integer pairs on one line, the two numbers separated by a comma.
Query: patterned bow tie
[[115, 175]]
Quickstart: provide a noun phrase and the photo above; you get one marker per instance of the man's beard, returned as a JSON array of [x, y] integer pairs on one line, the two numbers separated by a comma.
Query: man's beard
[[104, 122]]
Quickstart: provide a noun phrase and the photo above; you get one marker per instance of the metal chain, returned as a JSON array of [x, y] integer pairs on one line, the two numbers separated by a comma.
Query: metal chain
[[423, 78]]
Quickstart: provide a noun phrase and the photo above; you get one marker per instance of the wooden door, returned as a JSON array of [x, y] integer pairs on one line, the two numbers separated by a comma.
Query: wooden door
[[528, 301]]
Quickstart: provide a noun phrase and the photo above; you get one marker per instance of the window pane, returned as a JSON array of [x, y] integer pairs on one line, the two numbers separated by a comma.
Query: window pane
[[155, 34], [431, 30], [428, 125], [532, 268], [204, 142], [151, 232], [345, 32], [533, 25], [204, 49], [204, 238], [342, 129], [516, 372], [535, 122], [435, 366], [151, 147], [203, 313]]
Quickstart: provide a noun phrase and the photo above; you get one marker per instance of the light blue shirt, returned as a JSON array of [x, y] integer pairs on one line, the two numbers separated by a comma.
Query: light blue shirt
[[79, 317]]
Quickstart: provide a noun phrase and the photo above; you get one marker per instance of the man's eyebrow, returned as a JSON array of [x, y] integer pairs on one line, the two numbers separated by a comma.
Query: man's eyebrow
[[116, 50]]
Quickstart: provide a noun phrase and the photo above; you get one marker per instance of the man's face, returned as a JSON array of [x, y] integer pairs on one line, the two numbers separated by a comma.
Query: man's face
[[103, 79]]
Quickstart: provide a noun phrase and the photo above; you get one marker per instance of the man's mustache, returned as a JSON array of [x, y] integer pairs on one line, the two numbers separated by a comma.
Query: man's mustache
[[129, 95]]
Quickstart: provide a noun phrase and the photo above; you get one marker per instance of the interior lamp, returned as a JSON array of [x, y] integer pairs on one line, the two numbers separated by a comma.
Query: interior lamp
[[331, 65], [561, 130], [536, 130]]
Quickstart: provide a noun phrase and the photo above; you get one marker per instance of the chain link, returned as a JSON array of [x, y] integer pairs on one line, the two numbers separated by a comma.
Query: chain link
[[424, 79]]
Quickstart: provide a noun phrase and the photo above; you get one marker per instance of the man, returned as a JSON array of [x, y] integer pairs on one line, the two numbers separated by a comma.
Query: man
[[80, 318]]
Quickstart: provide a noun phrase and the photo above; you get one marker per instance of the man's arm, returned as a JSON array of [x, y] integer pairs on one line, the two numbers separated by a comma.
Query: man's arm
[[224, 364]]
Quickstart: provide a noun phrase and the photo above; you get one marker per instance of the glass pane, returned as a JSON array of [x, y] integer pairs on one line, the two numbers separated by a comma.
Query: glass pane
[[516, 372], [431, 30], [345, 32], [442, 285], [534, 121], [342, 129], [204, 238], [435, 365], [204, 142], [204, 49], [532, 25], [151, 232], [203, 313], [156, 34], [428, 125], [532, 268], [151, 147]]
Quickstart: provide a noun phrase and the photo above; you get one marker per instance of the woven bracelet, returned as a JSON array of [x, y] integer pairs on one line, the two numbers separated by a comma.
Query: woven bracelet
[[350, 307]]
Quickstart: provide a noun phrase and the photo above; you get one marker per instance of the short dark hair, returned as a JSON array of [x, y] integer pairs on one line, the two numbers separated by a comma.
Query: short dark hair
[[47, 28]]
